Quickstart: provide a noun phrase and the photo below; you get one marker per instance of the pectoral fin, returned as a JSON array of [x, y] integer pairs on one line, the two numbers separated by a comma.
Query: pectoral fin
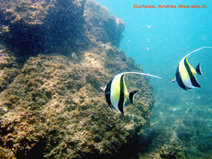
[[132, 96]]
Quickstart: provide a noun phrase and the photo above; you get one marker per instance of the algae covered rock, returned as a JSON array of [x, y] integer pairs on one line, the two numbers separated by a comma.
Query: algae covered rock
[[173, 151], [59, 102], [29, 27], [51, 105]]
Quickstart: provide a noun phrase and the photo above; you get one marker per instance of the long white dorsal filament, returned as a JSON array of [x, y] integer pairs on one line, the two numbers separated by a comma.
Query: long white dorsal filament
[[145, 74], [204, 47]]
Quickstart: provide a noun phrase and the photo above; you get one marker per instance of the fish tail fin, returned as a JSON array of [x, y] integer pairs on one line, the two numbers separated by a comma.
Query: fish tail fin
[[132, 96], [198, 69]]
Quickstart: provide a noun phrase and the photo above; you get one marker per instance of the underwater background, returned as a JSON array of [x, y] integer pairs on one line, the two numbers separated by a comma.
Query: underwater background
[[157, 39]]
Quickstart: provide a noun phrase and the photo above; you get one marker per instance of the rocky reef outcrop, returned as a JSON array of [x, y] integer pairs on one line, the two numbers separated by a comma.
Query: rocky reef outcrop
[[29, 27], [55, 56]]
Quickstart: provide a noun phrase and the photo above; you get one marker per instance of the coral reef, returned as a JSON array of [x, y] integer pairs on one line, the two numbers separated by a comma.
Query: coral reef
[[58, 100], [172, 151], [51, 104], [29, 27], [6, 154], [187, 134]]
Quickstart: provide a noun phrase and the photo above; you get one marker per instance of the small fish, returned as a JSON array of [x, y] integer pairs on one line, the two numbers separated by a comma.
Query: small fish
[[116, 92], [186, 74]]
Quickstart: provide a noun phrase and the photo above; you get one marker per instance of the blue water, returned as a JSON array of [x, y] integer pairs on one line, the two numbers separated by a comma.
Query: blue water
[[158, 39]]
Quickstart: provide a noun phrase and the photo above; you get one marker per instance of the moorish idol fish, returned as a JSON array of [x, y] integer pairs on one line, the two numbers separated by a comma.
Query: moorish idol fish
[[116, 92], [185, 74]]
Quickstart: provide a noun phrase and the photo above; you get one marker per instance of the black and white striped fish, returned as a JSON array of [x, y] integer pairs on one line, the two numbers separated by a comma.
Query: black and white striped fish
[[185, 74], [116, 92]]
